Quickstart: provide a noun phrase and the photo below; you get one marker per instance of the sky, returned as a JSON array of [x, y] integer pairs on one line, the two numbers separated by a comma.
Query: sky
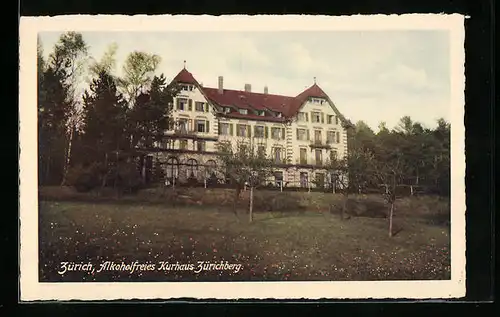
[[373, 76]]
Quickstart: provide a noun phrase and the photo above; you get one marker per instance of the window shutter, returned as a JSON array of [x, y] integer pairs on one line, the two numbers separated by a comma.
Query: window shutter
[[206, 107], [308, 135], [218, 127], [322, 118], [249, 131], [297, 132], [190, 104], [338, 137], [178, 104], [230, 129], [282, 133], [254, 130], [267, 132], [307, 117], [207, 126]]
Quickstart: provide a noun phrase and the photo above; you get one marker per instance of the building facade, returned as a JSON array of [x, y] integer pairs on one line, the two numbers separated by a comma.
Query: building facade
[[300, 133]]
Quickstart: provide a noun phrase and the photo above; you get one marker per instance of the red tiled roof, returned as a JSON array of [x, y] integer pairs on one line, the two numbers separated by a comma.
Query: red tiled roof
[[185, 77], [287, 105]]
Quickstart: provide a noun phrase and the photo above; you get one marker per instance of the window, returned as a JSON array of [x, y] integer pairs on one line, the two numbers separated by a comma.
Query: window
[[192, 168], [329, 119], [336, 120], [191, 87], [200, 146], [275, 133], [181, 104], [184, 87], [303, 156], [338, 137], [333, 155], [278, 114], [277, 155], [330, 136], [210, 168], [243, 111], [172, 167], [183, 144], [262, 113], [259, 132], [320, 180], [318, 157], [227, 110], [301, 134], [301, 117], [199, 106], [242, 130], [224, 129], [182, 125], [304, 179], [317, 136], [201, 126], [315, 117]]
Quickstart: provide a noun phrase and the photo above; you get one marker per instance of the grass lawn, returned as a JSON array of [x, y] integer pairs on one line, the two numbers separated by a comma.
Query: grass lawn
[[276, 246]]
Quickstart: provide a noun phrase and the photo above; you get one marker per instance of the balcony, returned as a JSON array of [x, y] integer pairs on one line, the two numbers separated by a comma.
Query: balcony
[[320, 144], [182, 133]]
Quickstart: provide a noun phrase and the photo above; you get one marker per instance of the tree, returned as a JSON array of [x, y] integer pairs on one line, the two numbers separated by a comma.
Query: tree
[[151, 115], [52, 116], [105, 125], [138, 71], [107, 63], [350, 172], [68, 60], [243, 164], [388, 169]]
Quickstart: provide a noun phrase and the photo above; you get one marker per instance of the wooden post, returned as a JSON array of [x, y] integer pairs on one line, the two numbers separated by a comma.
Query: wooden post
[[281, 186], [205, 182], [250, 213]]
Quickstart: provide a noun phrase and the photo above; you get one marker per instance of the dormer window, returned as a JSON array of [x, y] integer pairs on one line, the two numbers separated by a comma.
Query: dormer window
[[261, 113], [278, 114], [226, 109], [243, 111]]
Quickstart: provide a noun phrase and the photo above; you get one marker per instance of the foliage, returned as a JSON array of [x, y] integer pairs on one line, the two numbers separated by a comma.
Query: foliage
[[138, 71], [151, 114]]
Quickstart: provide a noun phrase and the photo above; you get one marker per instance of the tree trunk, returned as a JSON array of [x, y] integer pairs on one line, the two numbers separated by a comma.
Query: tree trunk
[[390, 219], [68, 158], [344, 207], [236, 198], [250, 211]]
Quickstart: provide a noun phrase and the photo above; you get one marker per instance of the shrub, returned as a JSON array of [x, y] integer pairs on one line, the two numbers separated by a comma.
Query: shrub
[[84, 179], [282, 201], [128, 178]]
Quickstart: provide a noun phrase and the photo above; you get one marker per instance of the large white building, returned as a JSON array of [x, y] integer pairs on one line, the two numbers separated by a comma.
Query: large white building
[[300, 133]]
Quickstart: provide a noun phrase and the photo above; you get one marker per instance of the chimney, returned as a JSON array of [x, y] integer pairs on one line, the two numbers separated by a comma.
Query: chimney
[[266, 90], [248, 88], [221, 85]]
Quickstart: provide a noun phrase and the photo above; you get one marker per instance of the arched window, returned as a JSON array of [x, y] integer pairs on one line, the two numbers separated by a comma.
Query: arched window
[[172, 167], [210, 168], [192, 168]]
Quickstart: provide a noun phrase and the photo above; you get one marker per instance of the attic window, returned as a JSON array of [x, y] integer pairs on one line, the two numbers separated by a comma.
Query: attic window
[[278, 114], [262, 113], [243, 111], [187, 87], [227, 110], [317, 100]]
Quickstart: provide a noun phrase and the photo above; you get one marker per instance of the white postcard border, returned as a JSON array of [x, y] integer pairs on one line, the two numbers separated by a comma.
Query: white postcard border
[[32, 290]]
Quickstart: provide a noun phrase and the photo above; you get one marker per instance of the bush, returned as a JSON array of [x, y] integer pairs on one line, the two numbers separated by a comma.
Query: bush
[[84, 179], [269, 201], [128, 178]]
